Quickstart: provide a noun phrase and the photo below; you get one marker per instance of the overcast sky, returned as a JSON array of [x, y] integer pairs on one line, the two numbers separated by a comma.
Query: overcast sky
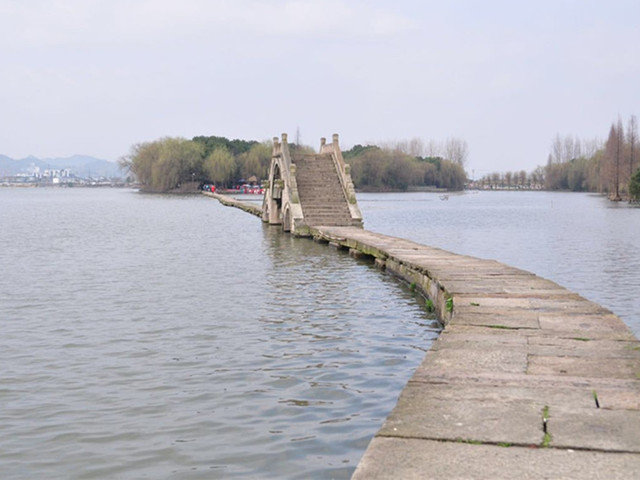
[[96, 76]]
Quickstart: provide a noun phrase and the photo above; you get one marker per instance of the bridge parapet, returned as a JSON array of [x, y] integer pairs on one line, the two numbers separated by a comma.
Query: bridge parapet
[[281, 204], [344, 171]]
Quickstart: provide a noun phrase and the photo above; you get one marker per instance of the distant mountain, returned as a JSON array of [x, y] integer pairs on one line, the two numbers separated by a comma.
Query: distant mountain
[[80, 165]]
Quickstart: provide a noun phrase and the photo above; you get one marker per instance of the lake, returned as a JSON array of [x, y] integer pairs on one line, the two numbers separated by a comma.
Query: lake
[[171, 337], [149, 336]]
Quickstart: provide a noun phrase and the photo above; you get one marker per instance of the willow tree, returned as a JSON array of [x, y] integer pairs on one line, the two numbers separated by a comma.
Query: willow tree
[[165, 164], [180, 162], [367, 168], [141, 160], [220, 167], [256, 161]]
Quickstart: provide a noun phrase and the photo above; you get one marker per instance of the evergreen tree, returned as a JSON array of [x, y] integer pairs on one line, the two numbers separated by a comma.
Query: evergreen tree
[[634, 187]]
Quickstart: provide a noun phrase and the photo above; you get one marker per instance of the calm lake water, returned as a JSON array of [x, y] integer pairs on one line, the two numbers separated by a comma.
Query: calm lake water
[[171, 337]]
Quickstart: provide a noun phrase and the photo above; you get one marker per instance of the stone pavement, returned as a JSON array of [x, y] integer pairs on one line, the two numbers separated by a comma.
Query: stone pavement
[[229, 201], [527, 379]]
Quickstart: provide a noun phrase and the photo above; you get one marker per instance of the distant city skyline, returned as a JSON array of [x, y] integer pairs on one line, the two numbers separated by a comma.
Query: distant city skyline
[[76, 165], [94, 78]]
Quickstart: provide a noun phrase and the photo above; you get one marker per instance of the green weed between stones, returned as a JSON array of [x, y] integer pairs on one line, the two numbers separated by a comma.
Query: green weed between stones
[[429, 307], [546, 440], [470, 442]]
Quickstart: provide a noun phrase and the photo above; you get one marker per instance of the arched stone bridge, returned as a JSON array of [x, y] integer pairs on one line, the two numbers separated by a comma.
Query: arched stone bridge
[[309, 190]]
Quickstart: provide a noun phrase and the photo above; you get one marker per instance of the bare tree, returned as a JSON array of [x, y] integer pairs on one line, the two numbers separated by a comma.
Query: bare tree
[[456, 150], [298, 137], [619, 154], [495, 179], [538, 176], [416, 147], [433, 149], [572, 148], [508, 176], [522, 178], [613, 156], [565, 149], [632, 139], [591, 147], [555, 156]]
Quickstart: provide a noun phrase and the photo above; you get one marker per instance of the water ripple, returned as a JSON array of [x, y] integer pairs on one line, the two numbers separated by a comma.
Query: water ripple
[[162, 337]]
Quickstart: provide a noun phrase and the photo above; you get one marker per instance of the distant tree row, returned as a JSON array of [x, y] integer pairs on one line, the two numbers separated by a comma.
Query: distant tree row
[[595, 167], [402, 165], [514, 180], [177, 163], [584, 166], [173, 163]]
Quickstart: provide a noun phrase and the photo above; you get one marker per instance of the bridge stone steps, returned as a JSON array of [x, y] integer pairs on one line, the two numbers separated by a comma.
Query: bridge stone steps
[[320, 191]]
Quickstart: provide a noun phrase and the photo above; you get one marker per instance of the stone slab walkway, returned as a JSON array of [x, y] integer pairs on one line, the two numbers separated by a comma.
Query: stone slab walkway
[[229, 201], [527, 379]]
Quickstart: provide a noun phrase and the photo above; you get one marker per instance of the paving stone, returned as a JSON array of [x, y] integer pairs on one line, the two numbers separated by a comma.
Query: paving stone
[[476, 360], [584, 367], [595, 428], [420, 413], [492, 318], [456, 334], [399, 458], [546, 346]]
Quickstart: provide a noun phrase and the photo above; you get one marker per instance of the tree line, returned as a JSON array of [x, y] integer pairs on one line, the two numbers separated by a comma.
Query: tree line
[[573, 164], [400, 166], [513, 180], [170, 163]]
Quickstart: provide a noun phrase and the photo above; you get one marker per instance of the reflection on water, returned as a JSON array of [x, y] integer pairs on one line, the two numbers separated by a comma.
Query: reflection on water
[[163, 337]]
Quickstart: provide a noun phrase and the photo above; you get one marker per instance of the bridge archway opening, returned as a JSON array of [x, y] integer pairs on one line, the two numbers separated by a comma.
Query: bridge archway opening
[[286, 219], [275, 201]]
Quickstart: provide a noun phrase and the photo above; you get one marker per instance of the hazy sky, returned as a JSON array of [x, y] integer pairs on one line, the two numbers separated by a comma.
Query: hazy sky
[[96, 76]]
